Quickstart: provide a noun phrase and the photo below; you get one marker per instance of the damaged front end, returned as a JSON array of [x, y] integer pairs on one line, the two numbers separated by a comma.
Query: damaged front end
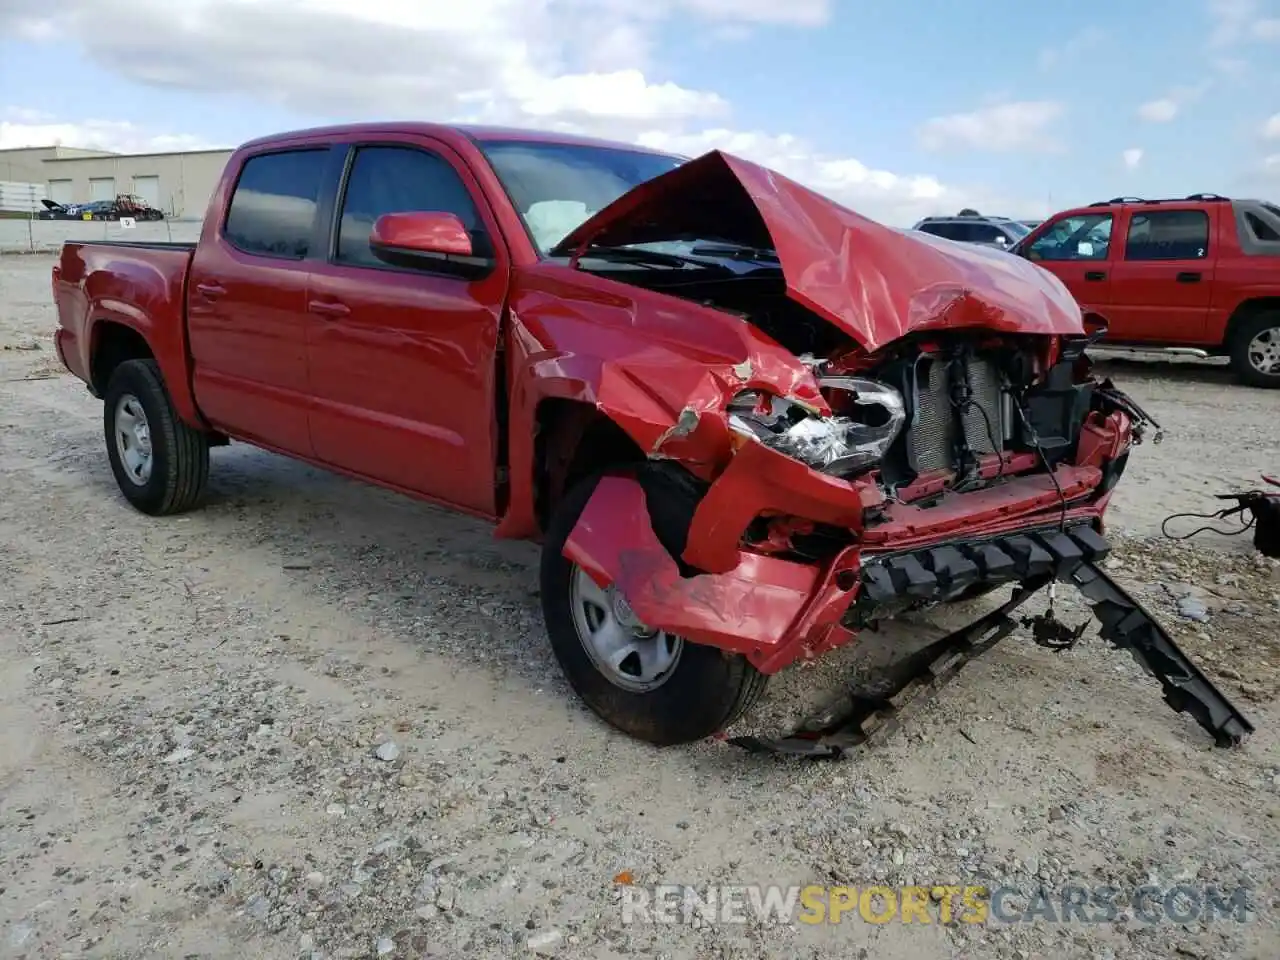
[[944, 437]]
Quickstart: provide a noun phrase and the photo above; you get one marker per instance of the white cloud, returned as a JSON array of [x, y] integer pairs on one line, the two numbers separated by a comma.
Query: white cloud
[[1003, 127], [803, 13], [1165, 108], [1240, 21], [879, 194], [1233, 68], [32, 128], [1132, 157], [1271, 128], [1080, 45], [1159, 111], [573, 65], [892, 198]]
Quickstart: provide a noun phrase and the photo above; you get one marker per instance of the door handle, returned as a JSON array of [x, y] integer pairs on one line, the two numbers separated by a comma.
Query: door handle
[[1095, 275], [328, 308], [1189, 276], [210, 291]]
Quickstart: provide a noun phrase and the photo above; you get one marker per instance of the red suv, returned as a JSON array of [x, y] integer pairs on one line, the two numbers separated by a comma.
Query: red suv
[[1201, 273]]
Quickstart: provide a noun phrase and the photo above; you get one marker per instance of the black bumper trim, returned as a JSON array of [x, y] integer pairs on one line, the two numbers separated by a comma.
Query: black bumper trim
[[942, 572]]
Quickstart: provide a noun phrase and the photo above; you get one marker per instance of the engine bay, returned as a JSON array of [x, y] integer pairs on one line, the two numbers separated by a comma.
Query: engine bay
[[932, 415]]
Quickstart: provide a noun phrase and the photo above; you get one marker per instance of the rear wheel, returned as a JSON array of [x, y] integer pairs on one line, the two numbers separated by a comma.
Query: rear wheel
[[1255, 350], [648, 683], [160, 464]]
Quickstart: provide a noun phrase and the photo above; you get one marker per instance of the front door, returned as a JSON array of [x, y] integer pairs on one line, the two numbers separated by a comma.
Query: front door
[[1076, 249], [247, 301], [1162, 288], [403, 361]]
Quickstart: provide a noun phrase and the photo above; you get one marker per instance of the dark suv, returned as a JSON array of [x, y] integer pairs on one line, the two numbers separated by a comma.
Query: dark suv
[[989, 231]]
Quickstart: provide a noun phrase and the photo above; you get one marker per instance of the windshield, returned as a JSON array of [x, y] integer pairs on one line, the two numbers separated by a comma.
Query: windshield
[[1019, 230], [557, 186]]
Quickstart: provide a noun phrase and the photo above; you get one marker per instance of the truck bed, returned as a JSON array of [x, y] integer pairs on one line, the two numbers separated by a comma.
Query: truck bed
[[140, 285]]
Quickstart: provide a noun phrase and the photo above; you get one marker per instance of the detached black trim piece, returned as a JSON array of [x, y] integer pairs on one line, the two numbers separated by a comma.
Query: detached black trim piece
[[856, 721], [1127, 625], [1030, 560]]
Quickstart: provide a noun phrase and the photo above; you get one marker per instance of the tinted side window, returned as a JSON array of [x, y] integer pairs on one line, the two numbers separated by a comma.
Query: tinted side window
[[398, 180], [986, 233], [1261, 229], [1085, 236], [273, 208], [1168, 235], [949, 231]]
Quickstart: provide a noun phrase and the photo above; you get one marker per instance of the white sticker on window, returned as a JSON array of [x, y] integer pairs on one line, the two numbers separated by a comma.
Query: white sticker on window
[[1084, 248]]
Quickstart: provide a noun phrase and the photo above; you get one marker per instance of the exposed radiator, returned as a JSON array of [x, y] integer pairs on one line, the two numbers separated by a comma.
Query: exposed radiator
[[934, 426]]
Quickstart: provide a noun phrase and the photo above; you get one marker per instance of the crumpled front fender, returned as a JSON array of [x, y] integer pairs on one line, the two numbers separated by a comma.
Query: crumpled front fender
[[770, 610], [661, 370]]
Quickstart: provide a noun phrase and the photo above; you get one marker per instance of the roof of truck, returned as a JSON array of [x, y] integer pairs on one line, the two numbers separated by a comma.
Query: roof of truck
[[448, 130]]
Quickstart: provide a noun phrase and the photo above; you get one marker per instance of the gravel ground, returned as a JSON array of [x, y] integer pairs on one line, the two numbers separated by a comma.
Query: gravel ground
[[318, 720]]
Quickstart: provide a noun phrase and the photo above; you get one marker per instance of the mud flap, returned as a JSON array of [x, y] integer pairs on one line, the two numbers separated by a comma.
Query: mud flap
[[855, 722]]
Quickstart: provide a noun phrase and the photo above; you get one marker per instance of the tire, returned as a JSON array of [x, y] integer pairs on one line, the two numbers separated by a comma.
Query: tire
[[703, 691], [1249, 359], [172, 478]]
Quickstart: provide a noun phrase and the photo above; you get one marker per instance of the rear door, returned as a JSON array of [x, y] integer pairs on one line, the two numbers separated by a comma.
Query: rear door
[[1163, 285], [1076, 248], [402, 360], [247, 301]]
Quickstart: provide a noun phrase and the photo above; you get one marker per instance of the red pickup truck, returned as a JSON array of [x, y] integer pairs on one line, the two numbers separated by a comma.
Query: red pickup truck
[[1200, 274], [743, 421]]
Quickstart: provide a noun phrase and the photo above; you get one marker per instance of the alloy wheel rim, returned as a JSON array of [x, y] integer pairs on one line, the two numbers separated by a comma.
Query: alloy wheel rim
[[1264, 351]]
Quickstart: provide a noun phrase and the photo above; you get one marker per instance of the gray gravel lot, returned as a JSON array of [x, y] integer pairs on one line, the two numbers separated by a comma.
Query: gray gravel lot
[[318, 720]]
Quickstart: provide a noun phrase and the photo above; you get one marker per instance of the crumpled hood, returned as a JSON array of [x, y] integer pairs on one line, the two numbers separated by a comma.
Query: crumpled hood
[[874, 282]]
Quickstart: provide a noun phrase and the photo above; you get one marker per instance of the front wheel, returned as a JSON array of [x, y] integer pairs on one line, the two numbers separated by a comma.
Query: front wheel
[[650, 684], [160, 463], [1255, 350]]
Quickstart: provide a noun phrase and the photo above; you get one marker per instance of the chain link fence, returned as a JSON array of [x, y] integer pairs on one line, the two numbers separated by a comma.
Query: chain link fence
[[29, 235]]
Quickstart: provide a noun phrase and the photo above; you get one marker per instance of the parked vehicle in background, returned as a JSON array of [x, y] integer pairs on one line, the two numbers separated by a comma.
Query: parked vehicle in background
[[1199, 274], [124, 205], [744, 423], [966, 227]]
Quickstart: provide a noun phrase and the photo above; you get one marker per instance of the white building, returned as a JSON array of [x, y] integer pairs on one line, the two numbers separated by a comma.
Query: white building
[[180, 184]]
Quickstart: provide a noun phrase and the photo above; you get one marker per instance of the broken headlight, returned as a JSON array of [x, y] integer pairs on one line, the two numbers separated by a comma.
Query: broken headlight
[[872, 415]]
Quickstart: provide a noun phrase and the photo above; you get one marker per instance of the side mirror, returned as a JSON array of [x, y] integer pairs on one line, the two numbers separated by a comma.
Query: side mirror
[[427, 240]]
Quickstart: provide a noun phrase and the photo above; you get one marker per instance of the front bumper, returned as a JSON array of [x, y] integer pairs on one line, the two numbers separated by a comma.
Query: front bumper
[[774, 610]]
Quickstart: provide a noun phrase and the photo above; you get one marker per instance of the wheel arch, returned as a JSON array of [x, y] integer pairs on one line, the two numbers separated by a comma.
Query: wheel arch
[[111, 344], [572, 440], [1245, 311]]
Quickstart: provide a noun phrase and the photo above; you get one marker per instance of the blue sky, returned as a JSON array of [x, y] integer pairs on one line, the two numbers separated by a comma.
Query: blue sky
[[898, 110]]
